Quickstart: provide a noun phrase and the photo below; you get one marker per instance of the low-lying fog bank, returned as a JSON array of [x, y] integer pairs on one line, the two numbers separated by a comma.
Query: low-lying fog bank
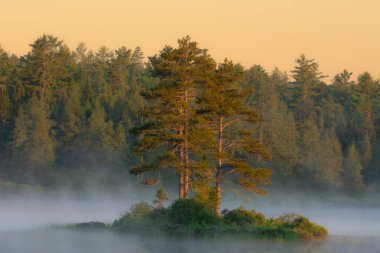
[[31, 211], [340, 214], [72, 241]]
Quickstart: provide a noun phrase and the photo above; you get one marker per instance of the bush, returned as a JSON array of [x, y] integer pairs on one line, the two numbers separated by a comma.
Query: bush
[[135, 219], [140, 210], [192, 217], [309, 230], [91, 225], [242, 217], [190, 212], [184, 216], [302, 226]]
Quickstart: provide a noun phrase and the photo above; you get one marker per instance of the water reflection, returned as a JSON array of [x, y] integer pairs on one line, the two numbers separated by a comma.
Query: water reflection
[[72, 241]]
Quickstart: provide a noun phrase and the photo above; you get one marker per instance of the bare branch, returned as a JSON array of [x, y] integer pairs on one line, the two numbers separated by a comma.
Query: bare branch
[[231, 122], [229, 172]]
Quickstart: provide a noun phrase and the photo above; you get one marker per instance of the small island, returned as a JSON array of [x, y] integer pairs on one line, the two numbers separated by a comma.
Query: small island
[[196, 218], [190, 217]]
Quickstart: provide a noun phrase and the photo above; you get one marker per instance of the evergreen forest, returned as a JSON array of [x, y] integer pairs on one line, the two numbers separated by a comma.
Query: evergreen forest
[[68, 115]]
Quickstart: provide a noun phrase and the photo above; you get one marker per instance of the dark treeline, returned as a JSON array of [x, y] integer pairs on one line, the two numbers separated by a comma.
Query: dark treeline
[[68, 114]]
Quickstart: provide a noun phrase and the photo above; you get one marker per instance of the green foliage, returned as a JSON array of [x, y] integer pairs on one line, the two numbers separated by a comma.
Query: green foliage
[[242, 217], [191, 217], [302, 226], [33, 142], [190, 212], [91, 225], [324, 160], [69, 121], [229, 119], [140, 210], [68, 113], [353, 168], [48, 66], [136, 219], [170, 117]]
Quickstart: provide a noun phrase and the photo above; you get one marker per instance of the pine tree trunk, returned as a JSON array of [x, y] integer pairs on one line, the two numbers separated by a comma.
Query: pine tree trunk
[[219, 168], [261, 139], [186, 152], [181, 175], [42, 83]]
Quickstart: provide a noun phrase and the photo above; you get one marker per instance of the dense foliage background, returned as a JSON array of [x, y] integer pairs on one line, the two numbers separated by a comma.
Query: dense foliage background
[[66, 116]]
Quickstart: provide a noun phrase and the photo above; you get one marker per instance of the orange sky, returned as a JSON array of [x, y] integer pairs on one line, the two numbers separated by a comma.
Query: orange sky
[[338, 33]]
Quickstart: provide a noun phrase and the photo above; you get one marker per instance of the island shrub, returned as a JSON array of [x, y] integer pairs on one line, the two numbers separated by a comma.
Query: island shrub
[[302, 226], [191, 212], [192, 217], [241, 217], [135, 219], [91, 225]]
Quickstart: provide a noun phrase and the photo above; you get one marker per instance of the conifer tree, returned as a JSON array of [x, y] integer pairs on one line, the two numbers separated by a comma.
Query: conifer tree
[[4, 106], [119, 71], [324, 161], [168, 118], [342, 80], [101, 143], [283, 143], [81, 55], [309, 141], [47, 66], [352, 174], [222, 103], [33, 144], [368, 91], [7, 65], [307, 87], [70, 120], [276, 128], [91, 101]]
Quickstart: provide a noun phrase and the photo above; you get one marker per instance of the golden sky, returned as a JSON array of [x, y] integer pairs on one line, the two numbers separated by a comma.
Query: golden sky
[[337, 33]]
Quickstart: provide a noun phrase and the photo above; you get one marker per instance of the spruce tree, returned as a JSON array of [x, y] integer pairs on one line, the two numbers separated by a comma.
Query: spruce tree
[[33, 143], [70, 120], [306, 88], [7, 67], [352, 174], [368, 91], [47, 67], [324, 161], [276, 128]]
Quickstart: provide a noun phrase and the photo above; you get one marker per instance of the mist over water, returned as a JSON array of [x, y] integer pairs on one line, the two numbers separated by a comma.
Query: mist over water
[[356, 218], [25, 220], [25, 213], [72, 241], [35, 210]]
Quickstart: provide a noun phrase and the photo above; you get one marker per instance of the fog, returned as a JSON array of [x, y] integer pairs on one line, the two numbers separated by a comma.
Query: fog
[[41, 210], [72, 241], [340, 214], [354, 226]]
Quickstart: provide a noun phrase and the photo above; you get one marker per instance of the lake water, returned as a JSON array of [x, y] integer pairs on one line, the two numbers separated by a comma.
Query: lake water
[[24, 221], [73, 241]]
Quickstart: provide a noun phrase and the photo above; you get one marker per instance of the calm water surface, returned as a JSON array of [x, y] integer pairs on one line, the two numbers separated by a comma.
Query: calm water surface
[[23, 221], [71, 241]]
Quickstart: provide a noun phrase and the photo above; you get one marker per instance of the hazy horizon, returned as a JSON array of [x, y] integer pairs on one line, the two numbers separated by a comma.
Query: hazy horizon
[[338, 34]]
